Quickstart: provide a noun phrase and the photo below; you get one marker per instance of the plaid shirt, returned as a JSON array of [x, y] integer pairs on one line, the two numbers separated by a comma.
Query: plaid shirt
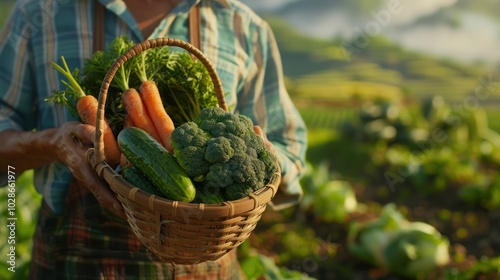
[[239, 44]]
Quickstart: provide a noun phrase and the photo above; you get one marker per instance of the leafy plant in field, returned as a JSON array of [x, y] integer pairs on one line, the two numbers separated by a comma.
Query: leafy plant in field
[[432, 125], [411, 249], [329, 199], [257, 266], [434, 169], [485, 193], [486, 268], [433, 147], [334, 201], [26, 207]]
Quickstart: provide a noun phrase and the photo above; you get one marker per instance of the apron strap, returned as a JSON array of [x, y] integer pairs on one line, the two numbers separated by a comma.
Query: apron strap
[[98, 39], [194, 27]]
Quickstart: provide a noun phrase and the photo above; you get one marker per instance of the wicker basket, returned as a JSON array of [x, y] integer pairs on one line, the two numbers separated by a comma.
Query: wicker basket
[[178, 232]]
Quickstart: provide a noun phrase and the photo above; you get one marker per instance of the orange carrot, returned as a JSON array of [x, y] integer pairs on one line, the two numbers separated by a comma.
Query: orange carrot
[[87, 109], [152, 101], [137, 112]]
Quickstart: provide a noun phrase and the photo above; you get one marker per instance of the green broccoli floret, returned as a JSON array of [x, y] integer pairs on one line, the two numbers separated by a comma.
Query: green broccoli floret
[[218, 150], [192, 161], [189, 143], [270, 161], [238, 191], [221, 150]]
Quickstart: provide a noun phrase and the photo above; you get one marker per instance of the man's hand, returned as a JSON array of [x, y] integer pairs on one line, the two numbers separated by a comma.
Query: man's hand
[[268, 144], [71, 142]]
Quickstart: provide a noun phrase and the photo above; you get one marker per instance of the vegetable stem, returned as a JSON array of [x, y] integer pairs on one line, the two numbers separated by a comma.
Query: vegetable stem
[[76, 89], [141, 67], [123, 79]]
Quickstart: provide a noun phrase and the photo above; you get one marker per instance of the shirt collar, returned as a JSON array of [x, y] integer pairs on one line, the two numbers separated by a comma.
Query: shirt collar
[[224, 3], [120, 9], [191, 3]]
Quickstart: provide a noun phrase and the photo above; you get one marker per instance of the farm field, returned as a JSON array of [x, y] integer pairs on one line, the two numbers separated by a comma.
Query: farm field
[[440, 190], [437, 194]]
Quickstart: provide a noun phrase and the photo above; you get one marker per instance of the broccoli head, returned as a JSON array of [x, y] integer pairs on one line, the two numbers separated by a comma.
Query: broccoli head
[[221, 150], [190, 143], [218, 149]]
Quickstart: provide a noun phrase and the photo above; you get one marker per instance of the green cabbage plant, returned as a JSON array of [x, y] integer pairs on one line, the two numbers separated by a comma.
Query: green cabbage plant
[[401, 247]]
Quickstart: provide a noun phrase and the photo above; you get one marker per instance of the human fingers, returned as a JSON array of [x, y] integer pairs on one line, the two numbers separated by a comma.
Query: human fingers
[[258, 130], [102, 192], [67, 145], [84, 134], [76, 139]]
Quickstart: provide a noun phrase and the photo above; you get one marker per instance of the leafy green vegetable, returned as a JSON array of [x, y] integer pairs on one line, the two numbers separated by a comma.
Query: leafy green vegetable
[[402, 247], [96, 67], [27, 204], [334, 201], [417, 249], [487, 267], [257, 266], [329, 198], [186, 86]]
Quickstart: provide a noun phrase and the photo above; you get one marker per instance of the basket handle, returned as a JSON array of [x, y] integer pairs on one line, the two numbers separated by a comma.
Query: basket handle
[[133, 51]]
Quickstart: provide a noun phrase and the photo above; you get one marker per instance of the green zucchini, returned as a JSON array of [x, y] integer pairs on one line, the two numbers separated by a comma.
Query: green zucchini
[[136, 178], [156, 163]]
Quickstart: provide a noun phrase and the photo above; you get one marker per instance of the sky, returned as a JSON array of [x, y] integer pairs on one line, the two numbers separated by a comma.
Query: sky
[[477, 37], [266, 5]]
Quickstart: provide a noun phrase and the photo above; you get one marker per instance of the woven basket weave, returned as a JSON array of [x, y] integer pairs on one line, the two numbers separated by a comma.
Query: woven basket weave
[[178, 232]]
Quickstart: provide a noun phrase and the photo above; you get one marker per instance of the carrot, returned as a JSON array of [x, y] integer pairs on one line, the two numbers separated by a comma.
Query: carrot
[[86, 106], [87, 110], [152, 101], [138, 114]]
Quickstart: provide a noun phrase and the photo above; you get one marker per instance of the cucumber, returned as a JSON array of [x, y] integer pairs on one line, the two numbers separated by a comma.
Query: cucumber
[[136, 178], [156, 163], [208, 196]]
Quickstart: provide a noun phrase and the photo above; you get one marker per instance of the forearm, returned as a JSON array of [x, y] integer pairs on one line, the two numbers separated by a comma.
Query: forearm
[[26, 150]]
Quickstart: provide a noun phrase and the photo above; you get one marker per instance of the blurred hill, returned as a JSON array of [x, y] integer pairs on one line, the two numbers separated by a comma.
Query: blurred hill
[[372, 64], [463, 30], [323, 74]]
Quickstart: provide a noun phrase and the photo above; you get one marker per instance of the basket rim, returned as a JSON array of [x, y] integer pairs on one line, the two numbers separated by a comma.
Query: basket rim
[[188, 210]]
